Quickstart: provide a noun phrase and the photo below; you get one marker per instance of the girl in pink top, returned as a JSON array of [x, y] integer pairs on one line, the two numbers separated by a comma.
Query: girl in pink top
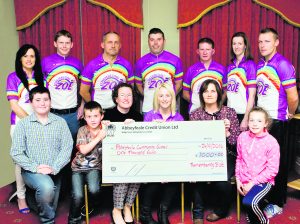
[[257, 164]]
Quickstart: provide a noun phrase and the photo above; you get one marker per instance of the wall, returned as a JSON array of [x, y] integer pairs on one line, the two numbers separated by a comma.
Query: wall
[[161, 14], [9, 46]]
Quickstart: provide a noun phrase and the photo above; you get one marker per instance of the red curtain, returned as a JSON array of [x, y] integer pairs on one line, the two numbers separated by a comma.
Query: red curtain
[[129, 11], [42, 32], [27, 14], [238, 15], [87, 35], [96, 21]]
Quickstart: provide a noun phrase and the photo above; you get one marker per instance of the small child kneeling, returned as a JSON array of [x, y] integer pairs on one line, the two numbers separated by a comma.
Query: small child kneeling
[[257, 164], [87, 164]]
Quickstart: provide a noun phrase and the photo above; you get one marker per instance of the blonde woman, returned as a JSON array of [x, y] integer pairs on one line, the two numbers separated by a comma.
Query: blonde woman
[[164, 110]]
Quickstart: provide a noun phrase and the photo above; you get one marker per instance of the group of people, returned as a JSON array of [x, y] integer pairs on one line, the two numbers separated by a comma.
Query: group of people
[[49, 97]]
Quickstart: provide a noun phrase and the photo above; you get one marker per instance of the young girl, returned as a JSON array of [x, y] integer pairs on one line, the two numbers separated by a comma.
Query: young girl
[[257, 164]]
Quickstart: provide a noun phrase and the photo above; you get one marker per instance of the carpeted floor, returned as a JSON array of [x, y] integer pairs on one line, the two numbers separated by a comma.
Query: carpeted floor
[[9, 212]]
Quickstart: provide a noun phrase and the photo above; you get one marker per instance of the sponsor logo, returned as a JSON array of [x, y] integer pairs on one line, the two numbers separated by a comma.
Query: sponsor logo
[[262, 88], [64, 84]]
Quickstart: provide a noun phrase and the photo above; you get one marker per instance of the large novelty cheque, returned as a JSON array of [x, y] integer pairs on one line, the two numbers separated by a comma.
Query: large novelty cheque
[[164, 152]]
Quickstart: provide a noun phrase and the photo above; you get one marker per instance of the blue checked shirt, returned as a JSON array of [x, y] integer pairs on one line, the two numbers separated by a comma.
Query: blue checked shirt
[[34, 143]]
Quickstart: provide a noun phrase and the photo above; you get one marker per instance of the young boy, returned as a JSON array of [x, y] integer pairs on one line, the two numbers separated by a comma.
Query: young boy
[[87, 164]]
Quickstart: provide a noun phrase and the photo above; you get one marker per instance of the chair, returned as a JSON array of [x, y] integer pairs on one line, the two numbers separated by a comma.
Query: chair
[[295, 184], [238, 201]]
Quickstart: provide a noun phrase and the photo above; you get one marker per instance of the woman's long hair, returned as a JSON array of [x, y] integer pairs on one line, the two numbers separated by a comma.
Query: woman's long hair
[[37, 68]]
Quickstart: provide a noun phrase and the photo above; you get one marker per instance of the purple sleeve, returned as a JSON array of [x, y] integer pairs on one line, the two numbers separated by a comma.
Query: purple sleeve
[[179, 117], [12, 87], [187, 80], [130, 74], [148, 117], [87, 74], [224, 78], [251, 74], [80, 67], [138, 72], [179, 70], [286, 72], [228, 69], [44, 68]]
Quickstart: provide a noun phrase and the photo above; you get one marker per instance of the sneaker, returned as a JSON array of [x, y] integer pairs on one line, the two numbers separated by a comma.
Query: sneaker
[[83, 211], [272, 210]]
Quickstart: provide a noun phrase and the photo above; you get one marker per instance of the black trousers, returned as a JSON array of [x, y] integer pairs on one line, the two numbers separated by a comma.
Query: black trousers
[[278, 193], [151, 190]]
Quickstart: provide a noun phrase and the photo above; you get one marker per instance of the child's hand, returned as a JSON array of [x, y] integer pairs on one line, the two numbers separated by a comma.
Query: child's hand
[[239, 187], [247, 187], [44, 169], [102, 133], [105, 122], [129, 121]]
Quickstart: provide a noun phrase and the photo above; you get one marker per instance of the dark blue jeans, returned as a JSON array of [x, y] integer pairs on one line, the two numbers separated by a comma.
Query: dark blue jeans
[[72, 122], [278, 193], [93, 179], [46, 189]]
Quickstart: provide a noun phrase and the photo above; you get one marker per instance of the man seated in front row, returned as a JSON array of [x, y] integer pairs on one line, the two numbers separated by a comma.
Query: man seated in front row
[[42, 146]]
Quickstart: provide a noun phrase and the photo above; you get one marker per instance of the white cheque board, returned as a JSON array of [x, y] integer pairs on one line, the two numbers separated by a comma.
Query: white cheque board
[[164, 152]]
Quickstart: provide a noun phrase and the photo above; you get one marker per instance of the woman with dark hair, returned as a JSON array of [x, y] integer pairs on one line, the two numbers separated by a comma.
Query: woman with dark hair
[[212, 109], [241, 78], [123, 193], [28, 74]]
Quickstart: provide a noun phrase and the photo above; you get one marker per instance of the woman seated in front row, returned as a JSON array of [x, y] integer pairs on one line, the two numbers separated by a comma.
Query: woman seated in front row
[[164, 110], [212, 109], [123, 193]]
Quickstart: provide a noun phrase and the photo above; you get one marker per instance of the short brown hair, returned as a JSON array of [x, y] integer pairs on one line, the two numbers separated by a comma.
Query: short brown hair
[[270, 30], [63, 33]]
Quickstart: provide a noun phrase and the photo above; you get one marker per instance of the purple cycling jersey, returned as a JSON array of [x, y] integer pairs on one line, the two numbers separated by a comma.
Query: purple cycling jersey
[[239, 80], [62, 75], [152, 70], [196, 75], [273, 78], [103, 78], [15, 90]]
